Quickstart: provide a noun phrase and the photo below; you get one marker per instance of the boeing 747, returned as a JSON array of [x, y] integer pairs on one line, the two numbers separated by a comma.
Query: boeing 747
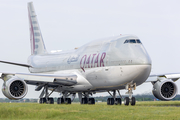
[[105, 65]]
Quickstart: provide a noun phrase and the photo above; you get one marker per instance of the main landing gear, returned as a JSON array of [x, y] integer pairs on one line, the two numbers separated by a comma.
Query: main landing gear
[[49, 100], [114, 100], [130, 99], [84, 98], [64, 99], [45, 93]]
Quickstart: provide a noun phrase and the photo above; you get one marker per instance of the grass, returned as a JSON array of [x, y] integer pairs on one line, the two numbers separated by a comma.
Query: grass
[[142, 110]]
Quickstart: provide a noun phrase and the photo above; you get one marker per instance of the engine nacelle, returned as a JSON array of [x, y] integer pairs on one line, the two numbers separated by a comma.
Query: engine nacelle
[[14, 88], [165, 90]]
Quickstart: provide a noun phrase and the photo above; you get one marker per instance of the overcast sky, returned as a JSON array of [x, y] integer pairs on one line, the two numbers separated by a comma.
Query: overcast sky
[[66, 24]]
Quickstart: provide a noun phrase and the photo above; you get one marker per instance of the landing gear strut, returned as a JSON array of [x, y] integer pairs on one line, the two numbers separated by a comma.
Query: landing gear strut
[[46, 99], [114, 100], [130, 86]]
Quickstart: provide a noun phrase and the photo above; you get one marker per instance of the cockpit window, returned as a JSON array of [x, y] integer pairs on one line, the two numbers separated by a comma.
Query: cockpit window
[[126, 41], [133, 41], [138, 41]]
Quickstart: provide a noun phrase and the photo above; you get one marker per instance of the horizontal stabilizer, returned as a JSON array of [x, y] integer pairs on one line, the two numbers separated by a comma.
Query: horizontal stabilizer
[[15, 63]]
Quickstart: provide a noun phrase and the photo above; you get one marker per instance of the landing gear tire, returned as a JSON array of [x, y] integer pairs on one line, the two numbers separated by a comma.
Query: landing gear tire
[[126, 101], [110, 101], [50, 101], [133, 101], [91, 101], [42, 100], [60, 101], [67, 101], [84, 100], [118, 101]]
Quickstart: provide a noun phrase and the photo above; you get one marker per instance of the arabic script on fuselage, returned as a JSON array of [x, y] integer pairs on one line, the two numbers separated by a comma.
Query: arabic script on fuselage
[[73, 59]]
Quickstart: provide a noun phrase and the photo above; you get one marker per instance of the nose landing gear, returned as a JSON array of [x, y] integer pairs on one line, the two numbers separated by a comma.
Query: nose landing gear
[[130, 86]]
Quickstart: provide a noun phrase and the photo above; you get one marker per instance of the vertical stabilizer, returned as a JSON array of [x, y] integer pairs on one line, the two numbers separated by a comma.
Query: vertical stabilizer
[[37, 43]]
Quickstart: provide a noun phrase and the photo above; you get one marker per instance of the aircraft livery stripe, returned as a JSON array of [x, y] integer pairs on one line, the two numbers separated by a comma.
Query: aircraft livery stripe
[[31, 33]]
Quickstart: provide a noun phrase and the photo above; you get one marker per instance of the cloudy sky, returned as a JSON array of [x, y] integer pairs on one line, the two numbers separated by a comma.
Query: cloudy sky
[[66, 24]]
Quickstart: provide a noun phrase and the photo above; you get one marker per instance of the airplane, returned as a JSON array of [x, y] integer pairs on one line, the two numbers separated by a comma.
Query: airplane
[[104, 65]]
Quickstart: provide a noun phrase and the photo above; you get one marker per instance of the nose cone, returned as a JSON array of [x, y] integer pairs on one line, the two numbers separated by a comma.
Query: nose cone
[[141, 56], [142, 73], [143, 62], [144, 59]]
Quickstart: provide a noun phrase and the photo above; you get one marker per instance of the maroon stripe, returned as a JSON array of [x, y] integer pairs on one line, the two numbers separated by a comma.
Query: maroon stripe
[[31, 34]]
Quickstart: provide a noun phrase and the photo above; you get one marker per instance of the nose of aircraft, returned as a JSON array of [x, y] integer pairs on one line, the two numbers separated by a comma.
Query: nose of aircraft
[[143, 65], [144, 62], [145, 59], [142, 56]]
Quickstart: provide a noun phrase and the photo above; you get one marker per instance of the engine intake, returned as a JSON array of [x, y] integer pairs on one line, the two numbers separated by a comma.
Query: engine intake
[[15, 88], [165, 90]]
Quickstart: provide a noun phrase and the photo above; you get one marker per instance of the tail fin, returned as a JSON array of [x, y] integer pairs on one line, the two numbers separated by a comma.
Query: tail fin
[[37, 43]]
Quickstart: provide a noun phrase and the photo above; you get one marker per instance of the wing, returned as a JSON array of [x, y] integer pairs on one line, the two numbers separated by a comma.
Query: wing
[[15, 84], [164, 87], [38, 79], [172, 76]]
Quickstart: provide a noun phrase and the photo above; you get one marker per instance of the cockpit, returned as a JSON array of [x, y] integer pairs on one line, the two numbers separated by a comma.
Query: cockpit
[[133, 41]]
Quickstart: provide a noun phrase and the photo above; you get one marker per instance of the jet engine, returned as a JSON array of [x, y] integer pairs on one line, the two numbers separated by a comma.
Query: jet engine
[[14, 88], [165, 90]]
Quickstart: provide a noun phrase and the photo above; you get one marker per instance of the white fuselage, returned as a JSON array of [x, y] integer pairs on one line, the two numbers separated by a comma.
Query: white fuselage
[[100, 65]]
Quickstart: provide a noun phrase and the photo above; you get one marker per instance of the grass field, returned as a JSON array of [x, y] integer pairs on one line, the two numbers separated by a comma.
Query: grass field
[[143, 110]]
